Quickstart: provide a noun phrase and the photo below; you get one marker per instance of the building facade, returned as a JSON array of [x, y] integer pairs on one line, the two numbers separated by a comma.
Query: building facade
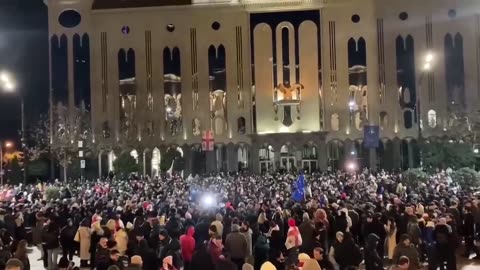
[[282, 84]]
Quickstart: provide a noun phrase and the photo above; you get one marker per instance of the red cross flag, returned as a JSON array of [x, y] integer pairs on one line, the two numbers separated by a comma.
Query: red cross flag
[[207, 140]]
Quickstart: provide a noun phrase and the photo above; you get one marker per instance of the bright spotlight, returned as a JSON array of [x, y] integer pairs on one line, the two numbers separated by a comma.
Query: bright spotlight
[[9, 86], [4, 77], [351, 166], [352, 153], [208, 201], [351, 103], [169, 109], [429, 57], [476, 151], [427, 66]]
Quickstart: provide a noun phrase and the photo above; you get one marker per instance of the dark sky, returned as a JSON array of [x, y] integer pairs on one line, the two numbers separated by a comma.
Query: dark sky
[[24, 53]]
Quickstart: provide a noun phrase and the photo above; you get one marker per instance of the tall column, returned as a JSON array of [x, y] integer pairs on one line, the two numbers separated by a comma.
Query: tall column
[[211, 161], [322, 157], [372, 159], [232, 158], [254, 163], [100, 165], [397, 154], [411, 162], [71, 80]]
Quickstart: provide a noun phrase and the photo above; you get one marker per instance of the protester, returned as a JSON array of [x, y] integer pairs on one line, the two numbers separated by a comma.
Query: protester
[[254, 219]]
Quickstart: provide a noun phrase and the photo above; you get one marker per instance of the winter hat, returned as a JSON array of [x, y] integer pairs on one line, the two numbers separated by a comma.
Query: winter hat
[[291, 222], [303, 258], [404, 237], [247, 266], [163, 233], [136, 260], [268, 266], [235, 228], [311, 264]]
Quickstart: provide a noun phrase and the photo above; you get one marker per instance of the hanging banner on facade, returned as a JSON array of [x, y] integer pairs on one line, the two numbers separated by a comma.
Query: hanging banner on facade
[[371, 136], [208, 142]]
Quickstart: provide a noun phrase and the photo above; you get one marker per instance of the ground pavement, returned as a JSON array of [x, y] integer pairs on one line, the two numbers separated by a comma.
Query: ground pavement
[[34, 254]]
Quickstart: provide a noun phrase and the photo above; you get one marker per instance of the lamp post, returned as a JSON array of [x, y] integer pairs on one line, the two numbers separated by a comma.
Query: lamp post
[[426, 68], [7, 145], [7, 83]]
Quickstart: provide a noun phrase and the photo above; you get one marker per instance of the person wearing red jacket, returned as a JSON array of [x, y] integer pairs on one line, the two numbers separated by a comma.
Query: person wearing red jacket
[[187, 244]]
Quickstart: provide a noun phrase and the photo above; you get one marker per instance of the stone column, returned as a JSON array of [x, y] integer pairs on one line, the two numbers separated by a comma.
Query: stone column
[[372, 159], [322, 157], [232, 157], [397, 157], [187, 157], [211, 162], [254, 162], [411, 162]]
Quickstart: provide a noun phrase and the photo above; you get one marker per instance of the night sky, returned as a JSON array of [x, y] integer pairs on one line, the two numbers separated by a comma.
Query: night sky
[[24, 54]]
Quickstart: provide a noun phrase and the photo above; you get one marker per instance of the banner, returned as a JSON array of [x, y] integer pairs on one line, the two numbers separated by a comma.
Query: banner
[[299, 188], [371, 136]]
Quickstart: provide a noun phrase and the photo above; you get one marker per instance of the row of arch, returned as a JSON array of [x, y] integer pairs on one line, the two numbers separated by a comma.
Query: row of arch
[[81, 69], [194, 159], [392, 154]]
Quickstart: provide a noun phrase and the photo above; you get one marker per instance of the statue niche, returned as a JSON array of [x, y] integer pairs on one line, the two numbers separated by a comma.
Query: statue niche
[[218, 88], [172, 88], [287, 96], [128, 93], [218, 110]]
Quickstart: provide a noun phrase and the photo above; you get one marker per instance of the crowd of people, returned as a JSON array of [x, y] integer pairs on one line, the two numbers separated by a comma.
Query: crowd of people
[[344, 221]]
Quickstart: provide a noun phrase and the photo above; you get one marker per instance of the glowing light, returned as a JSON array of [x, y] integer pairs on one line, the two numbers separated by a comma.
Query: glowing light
[[351, 166], [306, 131], [429, 57], [8, 144], [476, 151], [208, 201], [169, 109], [352, 153], [427, 66], [4, 77], [351, 103]]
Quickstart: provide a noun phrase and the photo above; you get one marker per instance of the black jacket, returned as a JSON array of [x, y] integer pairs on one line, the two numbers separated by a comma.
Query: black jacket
[[372, 259], [50, 235]]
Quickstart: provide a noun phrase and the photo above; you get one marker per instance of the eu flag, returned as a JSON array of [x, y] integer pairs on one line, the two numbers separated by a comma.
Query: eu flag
[[299, 186], [371, 136]]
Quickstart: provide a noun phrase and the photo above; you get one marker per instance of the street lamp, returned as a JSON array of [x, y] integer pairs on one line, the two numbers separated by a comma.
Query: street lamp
[[8, 85], [7, 145]]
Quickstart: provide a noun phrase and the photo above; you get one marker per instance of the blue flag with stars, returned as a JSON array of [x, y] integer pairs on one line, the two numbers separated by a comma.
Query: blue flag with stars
[[371, 136], [299, 188]]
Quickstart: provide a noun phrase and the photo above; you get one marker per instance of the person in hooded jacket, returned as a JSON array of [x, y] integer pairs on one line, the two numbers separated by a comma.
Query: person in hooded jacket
[[247, 232], [347, 253], [169, 246], [406, 248], [261, 251], [201, 259], [307, 231], [67, 236], [174, 227], [187, 244], [148, 256], [372, 259]]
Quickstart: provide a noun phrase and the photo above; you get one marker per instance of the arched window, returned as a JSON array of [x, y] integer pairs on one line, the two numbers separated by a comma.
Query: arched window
[[432, 118], [335, 122], [408, 119], [383, 119], [241, 125]]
